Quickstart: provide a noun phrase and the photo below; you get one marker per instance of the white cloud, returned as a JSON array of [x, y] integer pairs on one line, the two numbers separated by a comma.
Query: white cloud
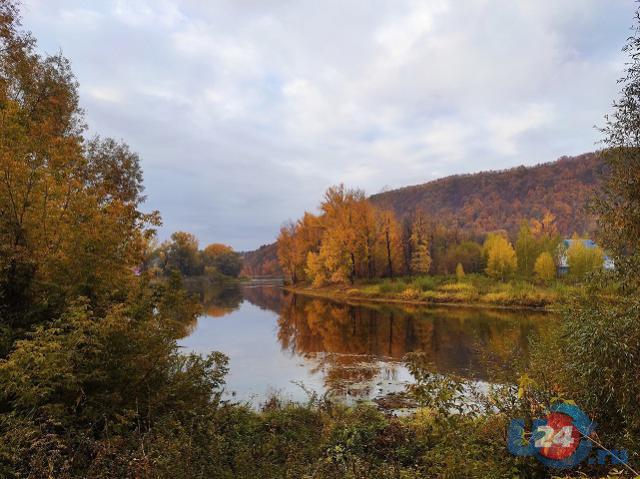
[[505, 129], [136, 13], [107, 94], [448, 139], [81, 18], [245, 111], [400, 36]]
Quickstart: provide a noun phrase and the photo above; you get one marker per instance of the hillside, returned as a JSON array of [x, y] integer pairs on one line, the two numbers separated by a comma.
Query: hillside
[[261, 262], [486, 201], [494, 200]]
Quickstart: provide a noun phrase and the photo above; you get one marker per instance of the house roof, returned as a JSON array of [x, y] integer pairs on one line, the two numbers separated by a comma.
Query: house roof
[[588, 243]]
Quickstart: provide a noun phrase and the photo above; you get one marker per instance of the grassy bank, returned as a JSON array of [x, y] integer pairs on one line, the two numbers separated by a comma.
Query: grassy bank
[[473, 289]]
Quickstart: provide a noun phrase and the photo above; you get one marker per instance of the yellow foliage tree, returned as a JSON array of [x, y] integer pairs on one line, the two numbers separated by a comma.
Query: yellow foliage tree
[[459, 272], [501, 257], [70, 222], [286, 252], [350, 239], [583, 260], [421, 259], [419, 242], [491, 240], [545, 227], [315, 270], [295, 242], [545, 268]]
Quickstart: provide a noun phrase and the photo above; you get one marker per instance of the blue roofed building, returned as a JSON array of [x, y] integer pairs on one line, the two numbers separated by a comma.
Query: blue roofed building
[[563, 261]]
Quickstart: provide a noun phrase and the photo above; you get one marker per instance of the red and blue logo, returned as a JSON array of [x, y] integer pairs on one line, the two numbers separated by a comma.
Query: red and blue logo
[[560, 440]]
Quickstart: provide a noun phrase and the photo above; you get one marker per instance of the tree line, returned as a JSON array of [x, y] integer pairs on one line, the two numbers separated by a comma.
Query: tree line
[[352, 239], [181, 253]]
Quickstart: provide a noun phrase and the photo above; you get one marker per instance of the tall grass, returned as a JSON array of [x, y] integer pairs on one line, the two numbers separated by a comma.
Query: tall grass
[[391, 286], [425, 283]]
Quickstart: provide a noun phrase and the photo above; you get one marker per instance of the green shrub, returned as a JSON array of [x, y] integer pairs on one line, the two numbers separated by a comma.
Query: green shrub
[[425, 283], [391, 287]]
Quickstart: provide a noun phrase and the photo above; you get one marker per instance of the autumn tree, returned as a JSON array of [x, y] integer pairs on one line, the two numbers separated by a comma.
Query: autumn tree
[[546, 230], [69, 218], [367, 236], [318, 270], [287, 253], [443, 242], [182, 254], [419, 243], [308, 236], [115, 169], [545, 268], [295, 242], [527, 249], [459, 272], [390, 243], [222, 259], [85, 345], [467, 253], [583, 260], [546, 233], [357, 240], [340, 249], [501, 257], [491, 240], [421, 258], [350, 239], [618, 206]]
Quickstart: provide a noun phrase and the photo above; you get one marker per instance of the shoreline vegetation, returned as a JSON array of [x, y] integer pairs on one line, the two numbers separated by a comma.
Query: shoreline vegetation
[[355, 250], [473, 291]]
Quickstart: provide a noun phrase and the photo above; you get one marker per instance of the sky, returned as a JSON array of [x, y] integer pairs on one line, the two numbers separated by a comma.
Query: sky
[[243, 112]]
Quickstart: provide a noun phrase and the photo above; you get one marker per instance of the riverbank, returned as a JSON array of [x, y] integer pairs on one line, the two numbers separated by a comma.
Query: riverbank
[[472, 290], [217, 279]]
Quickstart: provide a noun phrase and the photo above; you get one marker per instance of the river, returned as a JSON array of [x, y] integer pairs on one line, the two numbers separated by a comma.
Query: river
[[291, 345]]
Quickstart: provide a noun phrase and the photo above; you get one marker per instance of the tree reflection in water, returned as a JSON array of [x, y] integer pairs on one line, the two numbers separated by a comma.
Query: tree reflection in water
[[355, 345], [355, 350]]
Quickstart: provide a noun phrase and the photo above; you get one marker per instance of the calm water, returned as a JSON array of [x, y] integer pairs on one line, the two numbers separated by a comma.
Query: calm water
[[283, 343]]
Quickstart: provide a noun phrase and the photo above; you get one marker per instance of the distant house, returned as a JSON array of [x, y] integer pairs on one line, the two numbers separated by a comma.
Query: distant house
[[563, 261]]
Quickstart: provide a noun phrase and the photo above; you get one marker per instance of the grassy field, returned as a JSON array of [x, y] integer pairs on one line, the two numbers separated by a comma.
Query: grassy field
[[474, 289]]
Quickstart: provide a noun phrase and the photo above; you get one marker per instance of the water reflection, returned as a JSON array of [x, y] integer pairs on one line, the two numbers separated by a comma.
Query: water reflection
[[353, 351], [217, 299]]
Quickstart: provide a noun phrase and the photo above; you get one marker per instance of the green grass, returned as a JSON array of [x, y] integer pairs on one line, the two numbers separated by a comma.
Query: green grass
[[391, 287], [426, 283], [474, 288]]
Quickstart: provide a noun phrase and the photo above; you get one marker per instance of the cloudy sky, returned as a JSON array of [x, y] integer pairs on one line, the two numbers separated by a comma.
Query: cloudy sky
[[245, 111]]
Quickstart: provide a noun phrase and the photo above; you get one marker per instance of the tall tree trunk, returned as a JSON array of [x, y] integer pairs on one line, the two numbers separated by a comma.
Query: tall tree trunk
[[352, 276]]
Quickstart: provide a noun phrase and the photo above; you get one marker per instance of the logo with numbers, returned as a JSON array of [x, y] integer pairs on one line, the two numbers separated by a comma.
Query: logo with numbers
[[560, 440]]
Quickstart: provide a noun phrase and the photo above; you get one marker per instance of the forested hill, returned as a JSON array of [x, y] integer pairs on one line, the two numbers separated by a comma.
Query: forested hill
[[494, 200], [261, 262], [486, 201]]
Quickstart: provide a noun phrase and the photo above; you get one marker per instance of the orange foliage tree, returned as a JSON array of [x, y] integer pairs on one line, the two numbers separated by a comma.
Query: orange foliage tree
[[350, 239]]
